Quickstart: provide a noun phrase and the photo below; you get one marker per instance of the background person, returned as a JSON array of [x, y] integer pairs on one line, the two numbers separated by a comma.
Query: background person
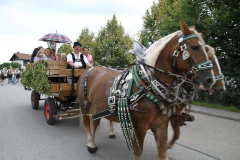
[[2, 76], [17, 74], [14, 76], [9, 75], [6, 74]]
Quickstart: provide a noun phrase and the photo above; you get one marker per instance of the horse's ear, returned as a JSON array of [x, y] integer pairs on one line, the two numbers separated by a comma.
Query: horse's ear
[[210, 50], [193, 27], [184, 28]]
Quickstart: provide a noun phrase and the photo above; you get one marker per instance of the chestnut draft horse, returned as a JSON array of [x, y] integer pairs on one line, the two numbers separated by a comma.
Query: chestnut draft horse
[[217, 88], [146, 113]]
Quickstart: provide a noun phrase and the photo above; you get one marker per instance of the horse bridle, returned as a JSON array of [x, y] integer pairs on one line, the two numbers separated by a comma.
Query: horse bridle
[[220, 76], [182, 47], [159, 87]]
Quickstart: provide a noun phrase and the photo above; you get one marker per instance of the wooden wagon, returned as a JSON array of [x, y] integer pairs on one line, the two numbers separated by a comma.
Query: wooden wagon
[[62, 102]]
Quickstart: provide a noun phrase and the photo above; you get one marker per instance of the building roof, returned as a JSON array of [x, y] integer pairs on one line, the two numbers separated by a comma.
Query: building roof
[[21, 56]]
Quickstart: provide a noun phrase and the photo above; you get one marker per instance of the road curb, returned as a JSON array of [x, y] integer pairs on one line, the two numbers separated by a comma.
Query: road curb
[[215, 115]]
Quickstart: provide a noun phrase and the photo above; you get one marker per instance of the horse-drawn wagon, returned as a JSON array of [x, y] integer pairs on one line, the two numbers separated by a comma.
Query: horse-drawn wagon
[[141, 98], [61, 103]]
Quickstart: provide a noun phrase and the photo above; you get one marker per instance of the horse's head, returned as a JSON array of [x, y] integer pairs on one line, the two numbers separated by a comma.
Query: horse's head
[[219, 86], [192, 56]]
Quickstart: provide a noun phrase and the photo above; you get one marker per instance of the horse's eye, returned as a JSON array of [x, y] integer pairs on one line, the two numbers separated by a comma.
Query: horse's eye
[[195, 47]]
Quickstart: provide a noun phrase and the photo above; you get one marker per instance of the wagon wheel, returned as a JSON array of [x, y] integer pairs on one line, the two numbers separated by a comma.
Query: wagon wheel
[[49, 111], [35, 100]]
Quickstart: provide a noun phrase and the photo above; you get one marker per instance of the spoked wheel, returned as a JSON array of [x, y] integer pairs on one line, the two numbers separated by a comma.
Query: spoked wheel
[[50, 111], [35, 100]]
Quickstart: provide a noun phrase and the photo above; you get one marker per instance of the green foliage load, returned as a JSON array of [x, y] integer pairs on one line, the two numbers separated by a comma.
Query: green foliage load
[[218, 20], [35, 77], [112, 45]]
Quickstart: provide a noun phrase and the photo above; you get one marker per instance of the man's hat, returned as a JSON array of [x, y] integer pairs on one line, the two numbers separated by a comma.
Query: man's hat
[[76, 44]]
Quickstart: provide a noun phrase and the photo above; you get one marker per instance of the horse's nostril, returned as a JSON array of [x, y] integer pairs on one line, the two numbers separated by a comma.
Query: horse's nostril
[[209, 80]]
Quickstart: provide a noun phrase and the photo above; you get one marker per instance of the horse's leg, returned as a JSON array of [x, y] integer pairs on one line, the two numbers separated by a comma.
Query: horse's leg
[[94, 128], [111, 130], [91, 146], [160, 135], [176, 132]]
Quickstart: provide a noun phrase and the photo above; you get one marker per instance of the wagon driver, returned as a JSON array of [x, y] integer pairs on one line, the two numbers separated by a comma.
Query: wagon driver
[[77, 59]]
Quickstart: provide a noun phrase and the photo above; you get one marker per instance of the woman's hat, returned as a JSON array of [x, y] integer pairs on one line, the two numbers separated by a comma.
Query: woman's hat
[[76, 44]]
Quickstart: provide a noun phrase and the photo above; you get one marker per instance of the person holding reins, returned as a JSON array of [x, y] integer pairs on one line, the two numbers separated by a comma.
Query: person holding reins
[[77, 59]]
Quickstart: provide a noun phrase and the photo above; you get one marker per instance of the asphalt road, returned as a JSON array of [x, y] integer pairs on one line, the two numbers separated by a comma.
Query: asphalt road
[[24, 135]]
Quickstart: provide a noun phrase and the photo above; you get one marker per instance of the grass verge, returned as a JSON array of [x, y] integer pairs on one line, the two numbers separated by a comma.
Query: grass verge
[[218, 106]]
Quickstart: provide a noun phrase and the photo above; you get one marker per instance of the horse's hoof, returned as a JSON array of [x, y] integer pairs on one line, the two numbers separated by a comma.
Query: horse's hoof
[[169, 146], [112, 136], [182, 124], [92, 150], [192, 118]]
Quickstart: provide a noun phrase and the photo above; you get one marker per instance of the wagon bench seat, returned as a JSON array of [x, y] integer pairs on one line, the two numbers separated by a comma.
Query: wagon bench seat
[[63, 90], [60, 68]]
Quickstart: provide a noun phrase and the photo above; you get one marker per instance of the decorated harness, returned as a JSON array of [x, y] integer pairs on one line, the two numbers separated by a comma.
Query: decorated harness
[[166, 97]]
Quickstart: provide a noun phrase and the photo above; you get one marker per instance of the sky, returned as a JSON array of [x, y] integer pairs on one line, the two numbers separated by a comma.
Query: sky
[[24, 22]]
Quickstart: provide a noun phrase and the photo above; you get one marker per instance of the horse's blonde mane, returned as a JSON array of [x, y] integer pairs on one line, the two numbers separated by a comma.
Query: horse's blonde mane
[[155, 49]]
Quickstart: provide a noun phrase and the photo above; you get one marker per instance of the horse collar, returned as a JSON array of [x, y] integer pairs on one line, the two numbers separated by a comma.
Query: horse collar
[[156, 89]]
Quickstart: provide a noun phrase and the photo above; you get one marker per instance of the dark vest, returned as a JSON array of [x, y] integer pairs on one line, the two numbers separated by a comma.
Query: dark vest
[[81, 59]]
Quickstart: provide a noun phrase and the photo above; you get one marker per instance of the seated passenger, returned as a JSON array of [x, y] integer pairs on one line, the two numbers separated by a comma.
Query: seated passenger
[[63, 57], [43, 56], [89, 56], [35, 51], [58, 58], [53, 56], [48, 53]]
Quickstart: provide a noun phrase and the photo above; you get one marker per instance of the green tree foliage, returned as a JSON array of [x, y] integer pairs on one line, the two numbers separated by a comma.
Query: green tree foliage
[[223, 29], [86, 38], [112, 45], [164, 18], [13, 64], [65, 48], [218, 20]]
